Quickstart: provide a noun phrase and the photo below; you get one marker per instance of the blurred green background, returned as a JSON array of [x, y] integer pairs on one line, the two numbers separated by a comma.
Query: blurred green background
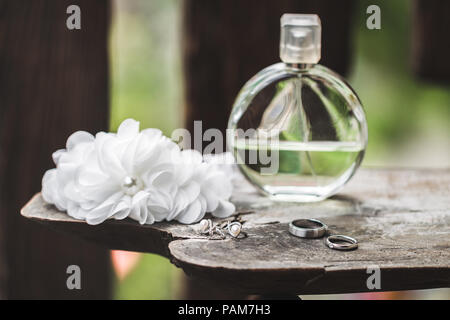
[[409, 120]]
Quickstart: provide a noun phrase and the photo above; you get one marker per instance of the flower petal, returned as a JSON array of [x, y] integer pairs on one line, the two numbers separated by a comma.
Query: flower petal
[[77, 138], [193, 213], [225, 209], [128, 129], [104, 210], [139, 210], [122, 209], [106, 147], [57, 155], [160, 205]]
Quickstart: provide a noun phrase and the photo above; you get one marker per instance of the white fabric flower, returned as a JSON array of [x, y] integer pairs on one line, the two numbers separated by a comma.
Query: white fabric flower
[[141, 175]]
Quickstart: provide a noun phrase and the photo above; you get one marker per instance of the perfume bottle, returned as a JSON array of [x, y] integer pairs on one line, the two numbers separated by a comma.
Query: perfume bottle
[[297, 129]]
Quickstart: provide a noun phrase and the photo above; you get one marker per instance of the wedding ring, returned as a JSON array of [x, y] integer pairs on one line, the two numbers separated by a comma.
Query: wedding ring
[[307, 228], [340, 242]]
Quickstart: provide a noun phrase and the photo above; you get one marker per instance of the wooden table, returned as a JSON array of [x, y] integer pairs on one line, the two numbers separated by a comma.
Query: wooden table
[[401, 219]]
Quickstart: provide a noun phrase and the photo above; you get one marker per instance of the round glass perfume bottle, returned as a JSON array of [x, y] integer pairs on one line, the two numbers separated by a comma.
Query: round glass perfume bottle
[[297, 129]]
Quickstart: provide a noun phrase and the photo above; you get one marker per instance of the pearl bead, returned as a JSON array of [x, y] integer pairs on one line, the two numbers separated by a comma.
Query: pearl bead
[[129, 182], [131, 185], [204, 225], [235, 230]]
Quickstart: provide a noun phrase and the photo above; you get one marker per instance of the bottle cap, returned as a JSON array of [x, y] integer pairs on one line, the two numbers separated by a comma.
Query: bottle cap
[[300, 40]]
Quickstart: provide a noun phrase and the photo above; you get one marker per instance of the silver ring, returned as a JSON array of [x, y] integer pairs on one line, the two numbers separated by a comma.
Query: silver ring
[[335, 242], [307, 228]]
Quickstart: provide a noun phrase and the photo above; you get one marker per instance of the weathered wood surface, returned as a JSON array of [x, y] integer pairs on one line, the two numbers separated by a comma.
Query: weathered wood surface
[[400, 217]]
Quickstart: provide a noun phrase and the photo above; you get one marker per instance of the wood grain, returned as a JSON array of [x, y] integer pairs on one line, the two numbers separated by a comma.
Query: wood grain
[[400, 217]]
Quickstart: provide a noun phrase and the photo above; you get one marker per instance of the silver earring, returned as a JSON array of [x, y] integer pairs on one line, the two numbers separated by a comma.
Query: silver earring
[[205, 226], [220, 232], [234, 228]]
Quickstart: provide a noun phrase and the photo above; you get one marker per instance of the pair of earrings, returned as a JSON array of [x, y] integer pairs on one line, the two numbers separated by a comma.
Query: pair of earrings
[[234, 229]]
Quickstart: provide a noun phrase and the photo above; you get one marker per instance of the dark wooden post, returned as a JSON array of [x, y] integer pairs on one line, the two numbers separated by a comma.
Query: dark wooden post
[[53, 81], [225, 42], [431, 42]]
